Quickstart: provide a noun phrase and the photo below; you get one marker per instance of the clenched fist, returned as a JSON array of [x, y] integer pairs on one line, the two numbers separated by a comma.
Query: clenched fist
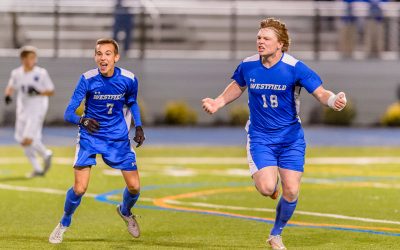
[[337, 102], [210, 105], [139, 136], [90, 124]]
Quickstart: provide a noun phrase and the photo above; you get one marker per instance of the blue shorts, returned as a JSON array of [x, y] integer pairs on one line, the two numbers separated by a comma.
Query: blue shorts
[[117, 154], [288, 156]]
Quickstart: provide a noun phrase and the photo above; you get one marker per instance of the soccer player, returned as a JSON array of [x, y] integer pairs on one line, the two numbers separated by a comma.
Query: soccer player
[[103, 130], [275, 144], [33, 86]]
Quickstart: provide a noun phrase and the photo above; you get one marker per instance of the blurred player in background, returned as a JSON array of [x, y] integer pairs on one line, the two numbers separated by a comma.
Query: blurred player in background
[[33, 86], [104, 130], [275, 145]]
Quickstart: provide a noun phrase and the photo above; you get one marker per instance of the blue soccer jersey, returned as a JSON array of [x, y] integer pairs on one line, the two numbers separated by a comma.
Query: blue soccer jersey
[[105, 98], [274, 97]]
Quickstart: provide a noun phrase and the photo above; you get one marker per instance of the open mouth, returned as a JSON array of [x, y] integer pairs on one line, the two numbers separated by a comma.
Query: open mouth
[[103, 66]]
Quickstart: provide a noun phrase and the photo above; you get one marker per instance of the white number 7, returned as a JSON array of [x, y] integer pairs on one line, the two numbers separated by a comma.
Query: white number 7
[[110, 107]]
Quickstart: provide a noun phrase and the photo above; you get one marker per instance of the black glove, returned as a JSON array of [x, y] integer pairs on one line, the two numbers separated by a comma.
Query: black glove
[[139, 136], [32, 91], [7, 99], [90, 124]]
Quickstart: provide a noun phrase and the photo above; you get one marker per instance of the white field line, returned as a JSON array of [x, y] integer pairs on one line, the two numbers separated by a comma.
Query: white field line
[[115, 172], [54, 191], [352, 160], [199, 204], [384, 185], [226, 160], [327, 215], [38, 190], [183, 172], [179, 171], [243, 160], [350, 183]]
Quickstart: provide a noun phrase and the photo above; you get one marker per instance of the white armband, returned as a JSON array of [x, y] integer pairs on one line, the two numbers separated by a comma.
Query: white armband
[[331, 101]]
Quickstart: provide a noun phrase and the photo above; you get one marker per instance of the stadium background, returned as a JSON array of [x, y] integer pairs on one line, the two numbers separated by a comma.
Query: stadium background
[[186, 50]]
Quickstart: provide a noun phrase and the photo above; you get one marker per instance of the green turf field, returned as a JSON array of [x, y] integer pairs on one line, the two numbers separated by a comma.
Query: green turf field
[[203, 198]]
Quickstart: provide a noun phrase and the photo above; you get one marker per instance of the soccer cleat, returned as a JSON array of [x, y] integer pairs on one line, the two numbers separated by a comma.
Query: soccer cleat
[[275, 241], [34, 174], [47, 163], [56, 237], [275, 194], [133, 226]]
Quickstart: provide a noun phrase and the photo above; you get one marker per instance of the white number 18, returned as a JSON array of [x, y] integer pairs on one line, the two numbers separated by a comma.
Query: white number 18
[[273, 99]]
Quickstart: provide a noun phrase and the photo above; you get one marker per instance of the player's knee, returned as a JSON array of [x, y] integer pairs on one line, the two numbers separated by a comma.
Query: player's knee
[[80, 190], [290, 193], [133, 188], [265, 189]]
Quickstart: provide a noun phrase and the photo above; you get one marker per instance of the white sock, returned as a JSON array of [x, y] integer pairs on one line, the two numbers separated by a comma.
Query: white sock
[[30, 153], [41, 149]]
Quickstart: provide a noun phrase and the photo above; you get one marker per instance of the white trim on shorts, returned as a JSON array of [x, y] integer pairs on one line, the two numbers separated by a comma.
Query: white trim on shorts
[[77, 148], [252, 166], [128, 117], [133, 151]]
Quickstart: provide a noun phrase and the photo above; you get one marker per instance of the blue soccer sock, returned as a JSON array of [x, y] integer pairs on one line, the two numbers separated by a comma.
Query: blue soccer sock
[[72, 201], [128, 202], [284, 212]]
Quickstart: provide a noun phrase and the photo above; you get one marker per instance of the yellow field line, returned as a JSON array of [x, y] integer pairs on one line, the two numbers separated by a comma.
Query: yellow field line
[[162, 202]]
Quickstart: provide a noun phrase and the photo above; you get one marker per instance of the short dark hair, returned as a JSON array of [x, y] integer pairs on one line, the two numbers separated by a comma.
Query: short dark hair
[[26, 50], [108, 41]]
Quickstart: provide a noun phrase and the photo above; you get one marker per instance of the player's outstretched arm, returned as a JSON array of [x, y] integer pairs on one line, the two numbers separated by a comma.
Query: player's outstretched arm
[[336, 102], [232, 92]]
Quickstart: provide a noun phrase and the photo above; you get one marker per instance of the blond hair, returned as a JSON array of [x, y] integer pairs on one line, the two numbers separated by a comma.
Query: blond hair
[[280, 30], [108, 41]]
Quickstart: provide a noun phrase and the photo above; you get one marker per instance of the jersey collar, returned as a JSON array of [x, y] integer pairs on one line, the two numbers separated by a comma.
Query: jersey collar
[[280, 59]]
